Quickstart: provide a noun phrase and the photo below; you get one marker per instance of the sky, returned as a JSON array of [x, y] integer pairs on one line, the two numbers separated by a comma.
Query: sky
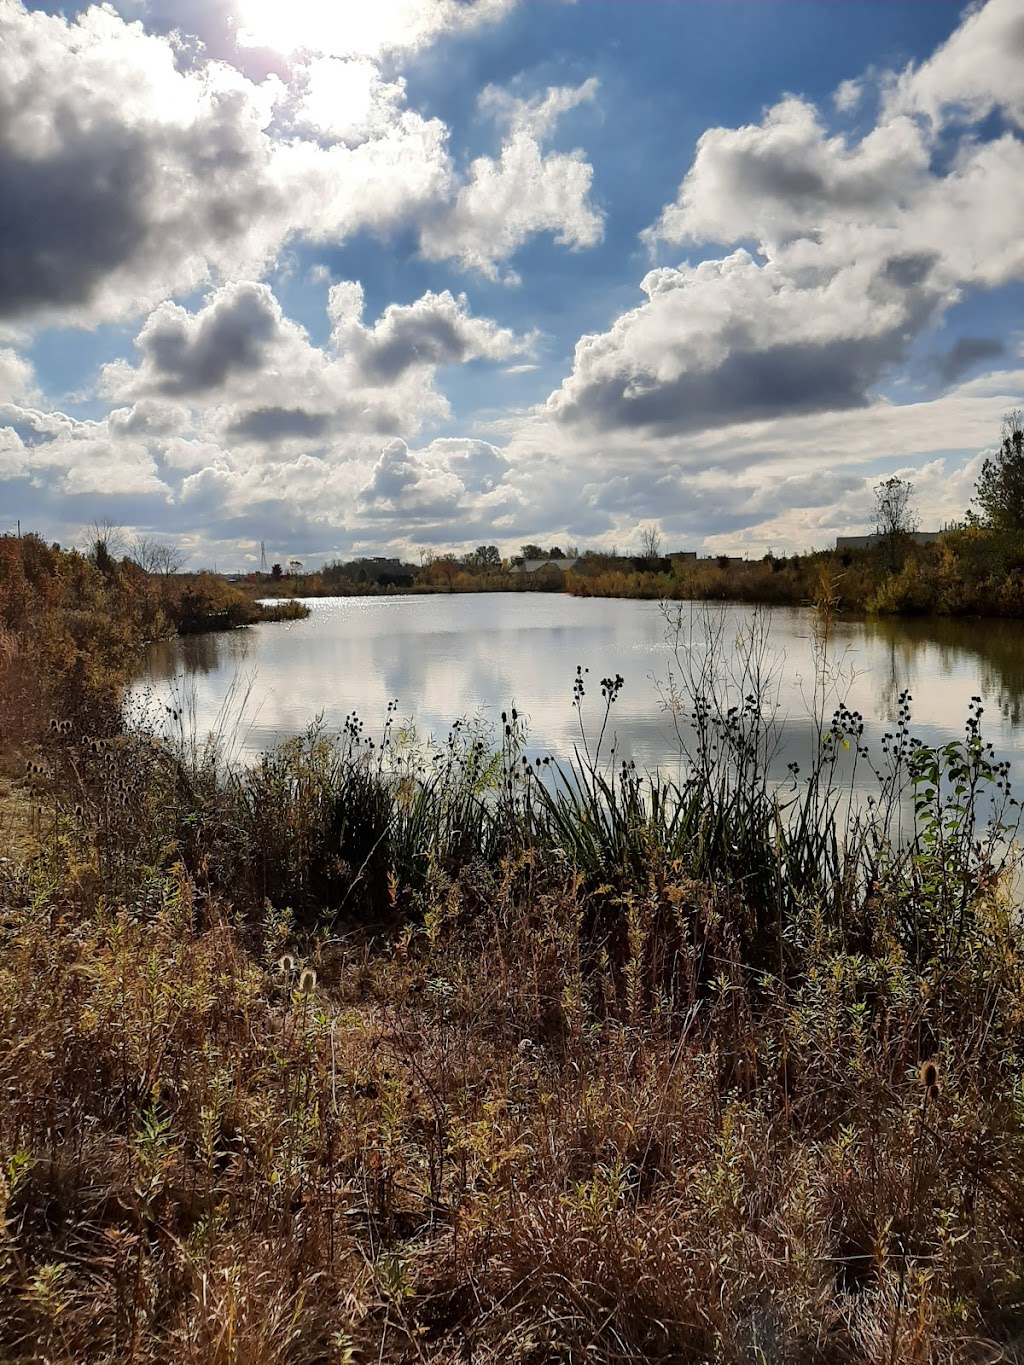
[[329, 279]]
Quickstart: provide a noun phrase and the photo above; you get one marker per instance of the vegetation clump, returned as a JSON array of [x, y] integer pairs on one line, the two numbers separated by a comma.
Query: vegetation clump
[[72, 627]]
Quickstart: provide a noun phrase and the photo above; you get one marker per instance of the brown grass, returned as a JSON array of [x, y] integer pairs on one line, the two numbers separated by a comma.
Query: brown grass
[[485, 1139]]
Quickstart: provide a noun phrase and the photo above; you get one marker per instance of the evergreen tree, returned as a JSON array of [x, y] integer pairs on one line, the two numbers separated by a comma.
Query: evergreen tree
[[999, 492]]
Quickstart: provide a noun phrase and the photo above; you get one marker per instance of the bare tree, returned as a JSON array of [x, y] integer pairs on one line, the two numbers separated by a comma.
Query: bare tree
[[106, 542], [895, 518], [650, 541], [156, 556]]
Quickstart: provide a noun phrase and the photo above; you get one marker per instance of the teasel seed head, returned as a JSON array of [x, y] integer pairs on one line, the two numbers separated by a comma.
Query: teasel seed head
[[929, 1077]]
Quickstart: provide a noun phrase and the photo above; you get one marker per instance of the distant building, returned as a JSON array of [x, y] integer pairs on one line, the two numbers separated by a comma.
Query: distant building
[[382, 570], [534, 565], [866, 542]]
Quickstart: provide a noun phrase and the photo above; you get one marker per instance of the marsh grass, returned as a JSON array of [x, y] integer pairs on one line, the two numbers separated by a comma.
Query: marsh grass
[[378, 1049]]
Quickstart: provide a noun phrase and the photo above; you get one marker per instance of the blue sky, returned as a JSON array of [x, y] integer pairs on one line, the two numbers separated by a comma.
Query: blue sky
[[419, 275]]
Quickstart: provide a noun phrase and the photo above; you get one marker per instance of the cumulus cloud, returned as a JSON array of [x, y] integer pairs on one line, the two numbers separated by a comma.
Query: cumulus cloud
[[17, 378], [977, 70], [132, 172], [478, 465], [402, 482], [731, 340], [74, 458], [452, 490], [526, 190], [847, 95], [243, 372], [189, 354], [861, 243], [435, 330], [737, 402], [344, 100], [785, 178], [122, 175], [788, 481]]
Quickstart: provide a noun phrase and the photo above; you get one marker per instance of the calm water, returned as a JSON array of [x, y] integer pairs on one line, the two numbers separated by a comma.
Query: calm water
[[448, 657]]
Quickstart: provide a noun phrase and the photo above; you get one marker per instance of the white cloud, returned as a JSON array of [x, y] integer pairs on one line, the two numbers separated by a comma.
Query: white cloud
[[847, 95], [242, 373], [435, 330], [478, 465], [345, 101], [736, 403], [785, 178], [73, 458], [130, 174], [403, 482], [526, 190], [789, 481], [348, 30], [17, 378], [122, 175], [732, 340], [980, 68], [861, 245]]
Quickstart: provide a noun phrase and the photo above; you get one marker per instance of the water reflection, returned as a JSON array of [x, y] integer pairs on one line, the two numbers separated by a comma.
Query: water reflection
[[916, 652], [197, 654], [469, 656]]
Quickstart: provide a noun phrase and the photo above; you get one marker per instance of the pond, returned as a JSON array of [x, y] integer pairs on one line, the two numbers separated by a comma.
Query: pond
[[472, 656]]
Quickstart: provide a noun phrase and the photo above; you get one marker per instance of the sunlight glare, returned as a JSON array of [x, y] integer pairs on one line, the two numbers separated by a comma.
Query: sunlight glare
[[346, 29]]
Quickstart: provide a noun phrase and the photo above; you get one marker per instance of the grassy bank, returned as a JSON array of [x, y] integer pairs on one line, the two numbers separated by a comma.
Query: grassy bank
[[72, 630], [383, 1051], [969, 572]]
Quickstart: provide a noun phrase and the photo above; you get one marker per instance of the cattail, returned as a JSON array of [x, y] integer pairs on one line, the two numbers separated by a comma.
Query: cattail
[[307, 981]]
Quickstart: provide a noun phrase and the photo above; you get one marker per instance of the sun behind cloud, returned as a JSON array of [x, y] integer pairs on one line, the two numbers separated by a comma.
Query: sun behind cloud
[[348, 29]]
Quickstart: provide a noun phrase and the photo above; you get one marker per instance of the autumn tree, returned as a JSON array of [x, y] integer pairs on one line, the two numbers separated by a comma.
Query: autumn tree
[[441, 571]]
